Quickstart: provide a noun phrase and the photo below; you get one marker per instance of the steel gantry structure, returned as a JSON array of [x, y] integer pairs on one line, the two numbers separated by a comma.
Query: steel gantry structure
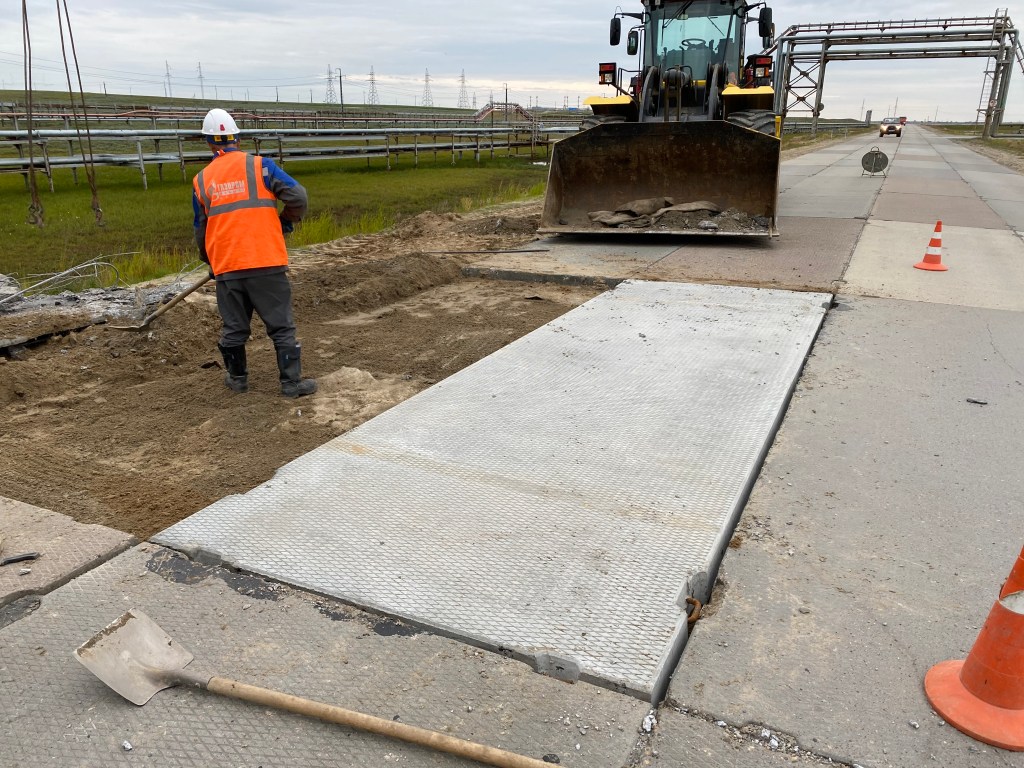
[[803, 51]]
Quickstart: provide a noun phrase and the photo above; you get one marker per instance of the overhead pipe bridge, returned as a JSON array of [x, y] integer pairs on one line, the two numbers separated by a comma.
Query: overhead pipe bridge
[[803, 51]]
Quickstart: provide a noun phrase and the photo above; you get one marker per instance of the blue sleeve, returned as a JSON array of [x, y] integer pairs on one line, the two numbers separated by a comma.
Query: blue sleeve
[[274, 175], [198, 214], [199, 220], [286, 189]]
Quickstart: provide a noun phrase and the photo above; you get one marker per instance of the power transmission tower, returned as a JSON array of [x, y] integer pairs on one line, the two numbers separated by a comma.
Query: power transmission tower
[[331, 97], [168, 66], [428, 100], [463, 96], [202, 91], [373, 97]]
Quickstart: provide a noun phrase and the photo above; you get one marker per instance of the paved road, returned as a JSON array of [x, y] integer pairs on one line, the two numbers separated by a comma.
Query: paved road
[[886, 516], [888, 512]]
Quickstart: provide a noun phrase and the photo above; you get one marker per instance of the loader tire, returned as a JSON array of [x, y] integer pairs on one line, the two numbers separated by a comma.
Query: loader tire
[[760, 120]]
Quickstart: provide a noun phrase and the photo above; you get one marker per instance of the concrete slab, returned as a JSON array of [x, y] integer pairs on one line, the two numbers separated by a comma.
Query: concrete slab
[[822, 158], [921, 164], [810, 254], [578, 260], [919, 152], [883, 524], [990, 185], [66, 548], [842, 172], [849, 162], [960, 156], [1002, 190], [821, 196], [791, 174], [907, 184], [557, 500], [924, 208], [986, 266], [260, 632], [933, 175], [985, 166], [1012, 212]]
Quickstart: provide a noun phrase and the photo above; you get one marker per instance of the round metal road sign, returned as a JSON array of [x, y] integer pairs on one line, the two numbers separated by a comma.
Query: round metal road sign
[[874, 161]]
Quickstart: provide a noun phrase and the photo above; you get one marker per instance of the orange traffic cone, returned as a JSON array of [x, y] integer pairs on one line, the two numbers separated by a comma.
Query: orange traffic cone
[[933, 253], [983, 696], [1015, 581]]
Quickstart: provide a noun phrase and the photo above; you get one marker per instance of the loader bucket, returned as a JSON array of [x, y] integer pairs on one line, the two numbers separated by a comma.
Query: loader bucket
[[610, 165]]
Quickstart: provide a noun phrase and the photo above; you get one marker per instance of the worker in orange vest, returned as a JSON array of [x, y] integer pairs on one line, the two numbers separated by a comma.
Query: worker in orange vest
[[241, 236]]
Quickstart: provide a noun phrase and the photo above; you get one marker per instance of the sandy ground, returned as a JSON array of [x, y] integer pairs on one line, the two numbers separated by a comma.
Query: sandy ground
[[136, 430]]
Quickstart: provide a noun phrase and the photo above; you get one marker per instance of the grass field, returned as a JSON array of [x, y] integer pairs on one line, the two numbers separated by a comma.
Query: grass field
[[148, 233], [156, 225]]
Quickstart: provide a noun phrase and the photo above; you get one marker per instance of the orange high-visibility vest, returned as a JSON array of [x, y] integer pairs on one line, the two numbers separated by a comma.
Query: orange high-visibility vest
[[243, 230]]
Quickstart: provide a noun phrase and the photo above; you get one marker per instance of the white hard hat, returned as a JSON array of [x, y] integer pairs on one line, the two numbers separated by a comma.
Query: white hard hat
[[219, 126]]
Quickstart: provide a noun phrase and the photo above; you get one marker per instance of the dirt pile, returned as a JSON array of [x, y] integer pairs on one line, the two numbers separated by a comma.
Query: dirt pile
[[135, 429]]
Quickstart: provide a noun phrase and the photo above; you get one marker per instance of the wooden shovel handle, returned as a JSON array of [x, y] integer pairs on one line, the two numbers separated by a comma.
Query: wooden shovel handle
[[188, 291], [364, 722]]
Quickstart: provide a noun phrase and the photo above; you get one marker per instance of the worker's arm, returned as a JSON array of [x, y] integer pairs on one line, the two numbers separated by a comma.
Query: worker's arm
[[287, 190]]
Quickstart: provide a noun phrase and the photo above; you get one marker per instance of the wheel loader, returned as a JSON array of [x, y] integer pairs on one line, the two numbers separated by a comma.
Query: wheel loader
[[688, 144]]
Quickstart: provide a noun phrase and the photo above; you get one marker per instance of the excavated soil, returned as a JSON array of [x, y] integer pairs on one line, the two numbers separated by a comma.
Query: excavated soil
[[136, 430]]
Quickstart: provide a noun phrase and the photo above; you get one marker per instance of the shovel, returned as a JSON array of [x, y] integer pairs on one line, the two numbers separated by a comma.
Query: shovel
[[153, 316], [136, 658]]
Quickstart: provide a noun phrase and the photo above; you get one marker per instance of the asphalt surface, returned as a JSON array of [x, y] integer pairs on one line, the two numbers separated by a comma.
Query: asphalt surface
[[874, 542]]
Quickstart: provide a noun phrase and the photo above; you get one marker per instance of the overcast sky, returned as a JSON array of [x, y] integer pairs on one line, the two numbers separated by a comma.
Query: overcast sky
[[543, 53]]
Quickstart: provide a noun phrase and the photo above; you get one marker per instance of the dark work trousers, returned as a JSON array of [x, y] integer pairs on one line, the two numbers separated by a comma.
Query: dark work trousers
[[269, 295]]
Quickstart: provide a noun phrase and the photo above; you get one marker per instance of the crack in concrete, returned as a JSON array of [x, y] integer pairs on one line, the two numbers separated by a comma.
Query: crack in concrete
[[768, 738]]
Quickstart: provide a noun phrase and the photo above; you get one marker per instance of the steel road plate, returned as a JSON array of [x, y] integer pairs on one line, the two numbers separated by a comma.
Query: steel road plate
[[558, 500]]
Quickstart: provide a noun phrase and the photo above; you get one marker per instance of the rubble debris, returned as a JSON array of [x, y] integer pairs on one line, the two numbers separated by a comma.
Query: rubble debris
[[663, 214]]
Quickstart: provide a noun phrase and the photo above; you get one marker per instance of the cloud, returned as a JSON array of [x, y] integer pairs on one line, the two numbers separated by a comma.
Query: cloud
[[545, 52]]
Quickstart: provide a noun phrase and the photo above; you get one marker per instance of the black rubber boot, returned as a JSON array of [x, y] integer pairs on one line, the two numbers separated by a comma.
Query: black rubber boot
[[289, 364], [237, 376]]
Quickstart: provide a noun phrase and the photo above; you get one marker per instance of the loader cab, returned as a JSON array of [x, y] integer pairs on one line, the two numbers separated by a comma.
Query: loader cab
[[687, 55], [703, 35], [689, 52]]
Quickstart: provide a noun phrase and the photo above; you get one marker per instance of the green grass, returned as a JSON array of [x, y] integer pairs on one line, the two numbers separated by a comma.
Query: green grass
[[155, 225], [965, 129], [800, 139]]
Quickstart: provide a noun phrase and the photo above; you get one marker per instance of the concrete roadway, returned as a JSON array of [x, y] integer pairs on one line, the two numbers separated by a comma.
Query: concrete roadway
[[889, 511], [885, 518]]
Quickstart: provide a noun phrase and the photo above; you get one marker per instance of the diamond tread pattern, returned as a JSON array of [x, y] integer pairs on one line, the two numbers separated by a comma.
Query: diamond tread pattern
[[556, 501]]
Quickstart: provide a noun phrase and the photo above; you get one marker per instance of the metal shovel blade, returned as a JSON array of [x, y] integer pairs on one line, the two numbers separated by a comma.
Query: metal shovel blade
[[134, 656]]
